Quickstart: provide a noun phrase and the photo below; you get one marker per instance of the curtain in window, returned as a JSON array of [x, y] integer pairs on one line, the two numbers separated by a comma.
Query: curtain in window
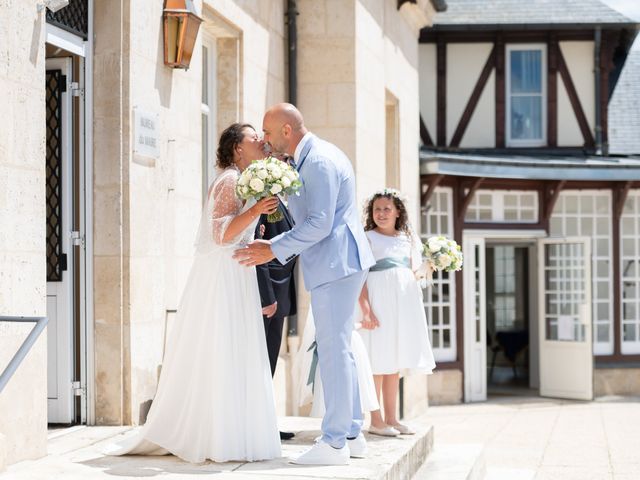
[[526, 94]]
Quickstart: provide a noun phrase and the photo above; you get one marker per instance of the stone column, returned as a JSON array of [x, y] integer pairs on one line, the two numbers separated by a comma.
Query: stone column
[[111, 215]]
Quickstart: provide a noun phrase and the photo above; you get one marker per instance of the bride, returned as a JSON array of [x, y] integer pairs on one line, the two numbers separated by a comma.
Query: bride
[[215, 394]]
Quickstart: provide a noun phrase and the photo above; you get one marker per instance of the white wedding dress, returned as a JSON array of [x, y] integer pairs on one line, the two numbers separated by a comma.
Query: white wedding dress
[[215, 396]]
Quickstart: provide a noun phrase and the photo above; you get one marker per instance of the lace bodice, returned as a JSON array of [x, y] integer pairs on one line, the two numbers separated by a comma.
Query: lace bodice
[[223, 205]]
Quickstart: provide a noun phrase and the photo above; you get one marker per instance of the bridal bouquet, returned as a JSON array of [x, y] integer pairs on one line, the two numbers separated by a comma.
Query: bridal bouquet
[[443, 254], [267, 177]]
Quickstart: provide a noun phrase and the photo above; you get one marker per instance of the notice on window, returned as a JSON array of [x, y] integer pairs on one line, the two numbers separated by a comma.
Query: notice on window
[[566, 329], [146, 141]]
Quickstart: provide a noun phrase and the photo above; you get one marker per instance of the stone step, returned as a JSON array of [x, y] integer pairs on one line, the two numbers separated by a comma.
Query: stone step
[[77, 454], [454, 462], [3, 452]]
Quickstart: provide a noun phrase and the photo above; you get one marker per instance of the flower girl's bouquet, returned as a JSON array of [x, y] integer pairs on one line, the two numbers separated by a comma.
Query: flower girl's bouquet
[[443, 254], [267, 177]]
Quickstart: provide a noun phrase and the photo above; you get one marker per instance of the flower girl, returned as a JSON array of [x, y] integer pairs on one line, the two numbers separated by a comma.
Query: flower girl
[[394, 325]]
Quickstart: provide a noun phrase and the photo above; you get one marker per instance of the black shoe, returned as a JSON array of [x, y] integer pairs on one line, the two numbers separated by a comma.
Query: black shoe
[[287, 435]]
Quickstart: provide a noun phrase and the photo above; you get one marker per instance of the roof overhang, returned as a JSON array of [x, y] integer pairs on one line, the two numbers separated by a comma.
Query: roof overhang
[[529, 167], [454, 27]]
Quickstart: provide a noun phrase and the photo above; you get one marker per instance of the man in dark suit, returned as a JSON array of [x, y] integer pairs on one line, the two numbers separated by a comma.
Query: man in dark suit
[[277, 290]]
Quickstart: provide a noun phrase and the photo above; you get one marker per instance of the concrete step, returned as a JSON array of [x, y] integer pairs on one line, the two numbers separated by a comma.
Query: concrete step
[[454, 462], [78, 455]]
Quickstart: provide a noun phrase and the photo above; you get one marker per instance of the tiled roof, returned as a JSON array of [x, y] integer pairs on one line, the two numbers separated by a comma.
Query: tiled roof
[[527, 12], [624, 107]]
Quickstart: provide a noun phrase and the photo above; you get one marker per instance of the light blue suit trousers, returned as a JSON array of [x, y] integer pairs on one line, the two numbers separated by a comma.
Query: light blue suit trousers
[[335, 257]]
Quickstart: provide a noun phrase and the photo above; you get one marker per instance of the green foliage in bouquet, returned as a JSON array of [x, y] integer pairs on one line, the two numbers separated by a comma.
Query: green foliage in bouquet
[[443, 254]]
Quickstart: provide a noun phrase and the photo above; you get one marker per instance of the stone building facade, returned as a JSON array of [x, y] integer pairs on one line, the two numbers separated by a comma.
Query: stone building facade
[[104, 250]]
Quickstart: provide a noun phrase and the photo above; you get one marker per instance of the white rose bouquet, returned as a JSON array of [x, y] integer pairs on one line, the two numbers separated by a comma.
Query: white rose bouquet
[[443, 254], [267, 177]]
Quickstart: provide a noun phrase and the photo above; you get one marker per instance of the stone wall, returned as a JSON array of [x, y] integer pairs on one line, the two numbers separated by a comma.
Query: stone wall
[[23, 403], [616, 381], [445, 387], [147, 210]]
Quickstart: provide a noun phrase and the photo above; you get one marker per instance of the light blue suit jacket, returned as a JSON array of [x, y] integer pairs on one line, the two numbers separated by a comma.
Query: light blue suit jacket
[[328, 234]]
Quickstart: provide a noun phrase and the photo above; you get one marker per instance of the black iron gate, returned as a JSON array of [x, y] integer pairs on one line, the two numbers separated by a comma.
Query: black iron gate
[[56, 259]]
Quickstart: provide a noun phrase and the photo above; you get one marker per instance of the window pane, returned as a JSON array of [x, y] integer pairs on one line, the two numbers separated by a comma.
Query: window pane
[[526, 71], [526, 118]]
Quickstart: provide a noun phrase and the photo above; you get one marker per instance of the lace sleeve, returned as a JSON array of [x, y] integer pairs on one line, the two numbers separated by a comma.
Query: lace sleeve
[[226, 206]]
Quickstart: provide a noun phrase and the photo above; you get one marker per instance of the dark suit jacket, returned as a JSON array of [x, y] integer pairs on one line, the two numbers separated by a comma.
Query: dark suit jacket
[[276, 281]]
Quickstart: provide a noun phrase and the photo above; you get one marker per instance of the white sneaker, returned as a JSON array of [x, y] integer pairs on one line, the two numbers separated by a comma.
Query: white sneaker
[[358, 446], [323, 454]]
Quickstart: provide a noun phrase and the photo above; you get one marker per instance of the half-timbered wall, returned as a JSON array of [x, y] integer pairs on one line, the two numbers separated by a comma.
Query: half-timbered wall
[[464, 91], [578, 56]]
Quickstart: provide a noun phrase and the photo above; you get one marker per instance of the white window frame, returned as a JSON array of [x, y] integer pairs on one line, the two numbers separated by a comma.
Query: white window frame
[[498, 206], [209, 109], [599, 348], [442, 354], [529, 142], [630, 347]]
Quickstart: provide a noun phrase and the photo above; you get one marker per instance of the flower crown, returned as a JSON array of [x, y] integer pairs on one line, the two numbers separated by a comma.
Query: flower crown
[[388, 192]]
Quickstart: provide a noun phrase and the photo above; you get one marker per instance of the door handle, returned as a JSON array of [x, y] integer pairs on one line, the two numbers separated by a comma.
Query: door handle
[[63, 262]]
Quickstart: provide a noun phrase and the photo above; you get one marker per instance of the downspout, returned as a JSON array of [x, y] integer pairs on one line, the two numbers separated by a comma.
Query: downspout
[[597, 74], [292, 74], [292, 44]]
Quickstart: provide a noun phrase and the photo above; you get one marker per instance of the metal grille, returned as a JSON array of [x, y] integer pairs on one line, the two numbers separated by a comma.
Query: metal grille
[[72, 18], [54, 80]]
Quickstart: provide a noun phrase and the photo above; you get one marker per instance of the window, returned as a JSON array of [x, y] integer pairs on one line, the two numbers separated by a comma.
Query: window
[[526, 95], [587, 213], [208, 113], [513, 206], [439, 299], [630, 273]]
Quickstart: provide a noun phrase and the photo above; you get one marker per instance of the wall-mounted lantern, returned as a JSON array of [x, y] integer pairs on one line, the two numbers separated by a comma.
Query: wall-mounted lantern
[[181, 24]]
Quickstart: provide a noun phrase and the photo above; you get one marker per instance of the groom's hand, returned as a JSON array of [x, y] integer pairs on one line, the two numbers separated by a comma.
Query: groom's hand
[[256, 253]]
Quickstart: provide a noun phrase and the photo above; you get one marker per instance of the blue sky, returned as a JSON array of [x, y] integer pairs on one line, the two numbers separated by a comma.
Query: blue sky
[[630, 8]]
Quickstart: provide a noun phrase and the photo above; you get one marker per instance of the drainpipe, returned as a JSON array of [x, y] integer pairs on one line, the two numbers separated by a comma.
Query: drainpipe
[[292, 74], [292, 44], [599, 93]]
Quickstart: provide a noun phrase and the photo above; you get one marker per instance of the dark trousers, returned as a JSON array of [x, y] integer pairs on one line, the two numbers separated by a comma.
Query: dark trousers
[[273, 331]]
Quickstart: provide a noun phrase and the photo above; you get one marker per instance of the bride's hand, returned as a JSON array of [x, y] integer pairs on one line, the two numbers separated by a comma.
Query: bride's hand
[[266, 205]]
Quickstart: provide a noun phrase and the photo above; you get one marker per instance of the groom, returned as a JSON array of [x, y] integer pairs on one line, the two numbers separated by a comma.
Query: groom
[[335, 257]]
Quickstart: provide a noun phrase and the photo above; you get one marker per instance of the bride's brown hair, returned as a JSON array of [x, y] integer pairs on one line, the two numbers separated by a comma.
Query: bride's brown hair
[[230, 138]]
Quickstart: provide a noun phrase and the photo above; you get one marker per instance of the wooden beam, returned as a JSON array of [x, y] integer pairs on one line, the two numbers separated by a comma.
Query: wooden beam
[[606, 66], [552, 192], [432, 182], [474, 99], [424, 134], [618, 197], [587, 134], [552, 92], [466, 199], [430, 35], [441, 101], [500, 92]]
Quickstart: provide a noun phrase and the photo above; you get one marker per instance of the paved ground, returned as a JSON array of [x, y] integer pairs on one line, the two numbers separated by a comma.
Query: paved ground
[[535, 438], [76, 454], [519, 438]]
